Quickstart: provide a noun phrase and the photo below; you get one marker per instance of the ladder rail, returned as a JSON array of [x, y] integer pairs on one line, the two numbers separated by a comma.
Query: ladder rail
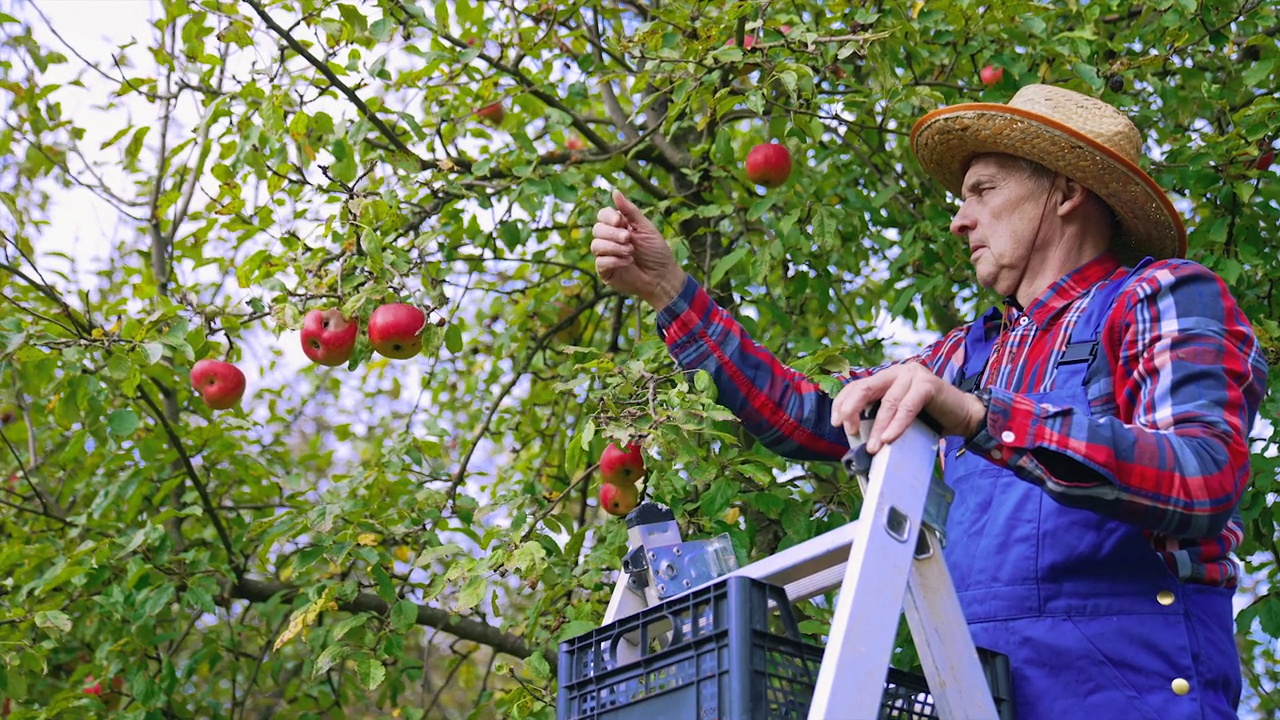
[[876, 563]]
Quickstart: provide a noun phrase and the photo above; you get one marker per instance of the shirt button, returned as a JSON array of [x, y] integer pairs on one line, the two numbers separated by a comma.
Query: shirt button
[[1164, 597], [996, 454], [1024, 320], [1007, 437], [1180, 686]]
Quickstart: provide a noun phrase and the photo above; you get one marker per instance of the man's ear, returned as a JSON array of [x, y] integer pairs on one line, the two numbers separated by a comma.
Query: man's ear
[[1071, 195]]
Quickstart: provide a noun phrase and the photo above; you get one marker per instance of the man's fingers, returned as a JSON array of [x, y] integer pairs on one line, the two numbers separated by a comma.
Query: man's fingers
[[906, 410], [611, 232], [891, 405], [607, 266], [602, 247], [846, 409], [632, 214], [611, 217]]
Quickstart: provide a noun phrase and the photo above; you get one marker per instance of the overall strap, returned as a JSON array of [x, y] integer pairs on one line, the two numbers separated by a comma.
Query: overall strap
[[977, 349], [1082, 348]]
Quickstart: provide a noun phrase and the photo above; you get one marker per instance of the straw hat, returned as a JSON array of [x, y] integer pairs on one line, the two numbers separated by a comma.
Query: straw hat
[[1081, 137]]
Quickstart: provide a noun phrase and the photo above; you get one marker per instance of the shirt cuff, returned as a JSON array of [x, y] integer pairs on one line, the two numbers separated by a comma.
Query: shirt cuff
[[1008, 431], [676, 309]]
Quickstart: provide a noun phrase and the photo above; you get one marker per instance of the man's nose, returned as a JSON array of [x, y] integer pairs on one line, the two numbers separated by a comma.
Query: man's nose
[[961, 222]]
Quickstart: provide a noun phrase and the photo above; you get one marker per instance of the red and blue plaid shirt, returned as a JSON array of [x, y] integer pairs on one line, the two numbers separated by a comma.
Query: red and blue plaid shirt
[[1166, 444]]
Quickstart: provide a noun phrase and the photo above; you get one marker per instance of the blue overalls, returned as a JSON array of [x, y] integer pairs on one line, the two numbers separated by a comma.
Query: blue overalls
[[1094, 623]]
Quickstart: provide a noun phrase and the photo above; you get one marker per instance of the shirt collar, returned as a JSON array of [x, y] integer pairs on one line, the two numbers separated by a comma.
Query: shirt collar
[[1069, 288]]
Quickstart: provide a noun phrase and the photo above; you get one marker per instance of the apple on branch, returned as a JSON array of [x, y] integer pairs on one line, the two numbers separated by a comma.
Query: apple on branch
[[92, 687], [622, 467], [574, 143], [493, 113], [618, 500], [220, 383], [769, 164], [1264, 160], [395, 330], [991, 74], [328, 338]]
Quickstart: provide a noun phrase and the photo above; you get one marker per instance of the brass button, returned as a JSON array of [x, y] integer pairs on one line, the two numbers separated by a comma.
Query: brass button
[[1180, 686], [1164, 597], [996, 454]]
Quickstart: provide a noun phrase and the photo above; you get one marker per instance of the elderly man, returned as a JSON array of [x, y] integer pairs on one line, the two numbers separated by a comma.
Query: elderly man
[[1096, 425]]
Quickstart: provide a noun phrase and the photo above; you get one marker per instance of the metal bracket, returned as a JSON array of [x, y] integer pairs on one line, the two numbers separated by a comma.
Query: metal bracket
[[937, 504]]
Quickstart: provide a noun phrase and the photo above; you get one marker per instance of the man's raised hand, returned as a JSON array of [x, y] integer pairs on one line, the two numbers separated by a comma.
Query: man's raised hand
[[631, 255]]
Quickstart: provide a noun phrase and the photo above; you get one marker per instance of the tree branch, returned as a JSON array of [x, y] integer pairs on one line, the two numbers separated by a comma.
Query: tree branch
[[333, 79], [476, 631], [209, 508]]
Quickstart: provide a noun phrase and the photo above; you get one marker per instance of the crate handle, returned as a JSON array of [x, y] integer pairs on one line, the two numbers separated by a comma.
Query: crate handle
[[667, 637]]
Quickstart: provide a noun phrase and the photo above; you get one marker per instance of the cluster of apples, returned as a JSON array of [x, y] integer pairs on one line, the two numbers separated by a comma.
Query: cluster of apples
[[328, 338], [620, 470]]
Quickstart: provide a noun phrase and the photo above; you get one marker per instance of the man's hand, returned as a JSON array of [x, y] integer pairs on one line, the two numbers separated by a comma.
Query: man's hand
[[632, 257], [904, 391]]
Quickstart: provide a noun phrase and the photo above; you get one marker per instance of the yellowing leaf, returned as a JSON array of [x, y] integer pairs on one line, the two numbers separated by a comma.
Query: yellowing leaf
[[305, 617], [369, 539], [916, 7], [403, 554]]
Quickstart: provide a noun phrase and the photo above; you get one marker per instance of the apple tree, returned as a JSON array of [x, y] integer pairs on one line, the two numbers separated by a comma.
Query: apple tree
[[409, 533]]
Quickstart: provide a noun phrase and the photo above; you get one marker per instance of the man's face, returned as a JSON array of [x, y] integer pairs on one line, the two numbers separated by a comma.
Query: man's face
[[1001, 211]]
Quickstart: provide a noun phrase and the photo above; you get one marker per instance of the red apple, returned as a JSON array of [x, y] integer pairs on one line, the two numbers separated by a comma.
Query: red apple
[[493, 114], [574, 143], [92, 687], [769, 164], [619, 499], [221, 384], [395, 330], [990, 75], [328, 338], [747, 42], [785, 29], [1264, 160], [622, 467]]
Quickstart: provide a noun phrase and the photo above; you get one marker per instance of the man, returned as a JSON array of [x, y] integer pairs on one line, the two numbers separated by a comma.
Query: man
[[1096, 425]]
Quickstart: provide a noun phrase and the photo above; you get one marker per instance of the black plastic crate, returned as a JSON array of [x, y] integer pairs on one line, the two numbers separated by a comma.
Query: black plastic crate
[[906, 695], [720, 653]]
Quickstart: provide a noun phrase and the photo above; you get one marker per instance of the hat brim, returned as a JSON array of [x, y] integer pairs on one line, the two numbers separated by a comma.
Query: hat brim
[[946, 140]]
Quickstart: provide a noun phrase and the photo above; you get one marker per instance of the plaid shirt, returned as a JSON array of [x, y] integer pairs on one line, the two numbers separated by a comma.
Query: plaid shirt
[[1165, 447]]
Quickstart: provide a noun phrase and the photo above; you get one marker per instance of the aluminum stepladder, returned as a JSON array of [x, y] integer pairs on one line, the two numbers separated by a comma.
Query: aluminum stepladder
[[883, 565]]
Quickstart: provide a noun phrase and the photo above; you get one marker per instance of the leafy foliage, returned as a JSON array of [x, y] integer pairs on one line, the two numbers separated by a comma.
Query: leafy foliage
[[411, 538]]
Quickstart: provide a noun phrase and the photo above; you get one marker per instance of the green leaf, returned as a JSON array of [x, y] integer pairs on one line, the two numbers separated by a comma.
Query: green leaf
[[574, 628], [537, 667], [453, 338], [347, 624], [53, 620], [471, 594], [726, 263], [717, 498], [404, 615], [154, 352], [1258, 72], [122, 423], [331, 656], [370, 672]]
